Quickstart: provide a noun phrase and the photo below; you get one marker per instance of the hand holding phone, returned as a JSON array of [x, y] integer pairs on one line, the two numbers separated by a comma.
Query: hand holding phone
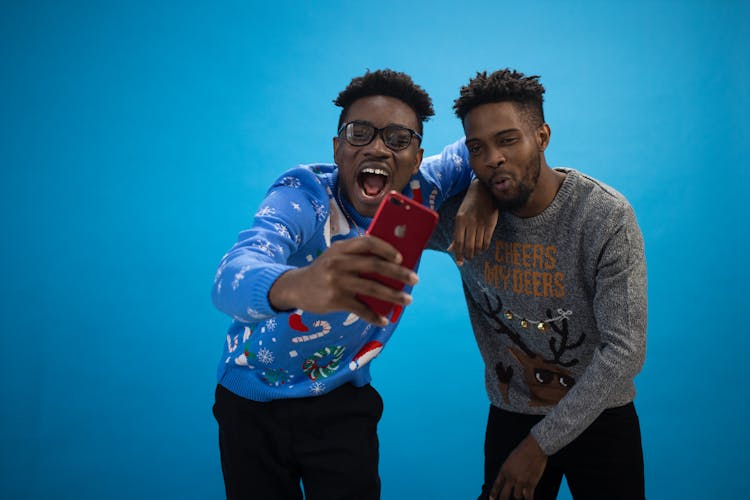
[[407, 225]]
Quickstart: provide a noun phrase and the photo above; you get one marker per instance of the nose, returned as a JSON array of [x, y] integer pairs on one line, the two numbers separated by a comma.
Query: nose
[[495, 158], [377, 146]]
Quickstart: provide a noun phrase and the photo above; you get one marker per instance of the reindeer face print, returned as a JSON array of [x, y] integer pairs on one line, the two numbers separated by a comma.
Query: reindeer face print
[[545, 376], [547, 383]]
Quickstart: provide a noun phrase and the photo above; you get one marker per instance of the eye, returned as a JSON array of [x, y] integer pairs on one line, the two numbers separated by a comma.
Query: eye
[[566, 381], [543, 376], [473, 148], [360, 131], [399, 137], [507, 141]]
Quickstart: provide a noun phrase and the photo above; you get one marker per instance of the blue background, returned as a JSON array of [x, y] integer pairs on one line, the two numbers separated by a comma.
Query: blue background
[[136, 140]]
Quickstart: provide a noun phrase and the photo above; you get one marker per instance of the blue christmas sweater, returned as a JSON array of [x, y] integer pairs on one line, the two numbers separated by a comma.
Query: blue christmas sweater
[[271, 355]]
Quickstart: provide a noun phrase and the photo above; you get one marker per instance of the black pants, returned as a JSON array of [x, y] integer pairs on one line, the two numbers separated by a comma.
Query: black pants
[[605, 461], [328, 442]]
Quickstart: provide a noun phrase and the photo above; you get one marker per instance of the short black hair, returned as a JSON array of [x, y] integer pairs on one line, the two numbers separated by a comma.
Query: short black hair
[[504, 85], [389, 83]]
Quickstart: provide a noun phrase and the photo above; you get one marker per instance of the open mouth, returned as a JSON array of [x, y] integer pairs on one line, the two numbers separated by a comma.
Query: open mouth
[[500, 182], [373, 181]]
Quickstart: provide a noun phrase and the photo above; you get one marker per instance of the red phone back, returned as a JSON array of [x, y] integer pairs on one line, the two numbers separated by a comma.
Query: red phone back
[[407, 225]]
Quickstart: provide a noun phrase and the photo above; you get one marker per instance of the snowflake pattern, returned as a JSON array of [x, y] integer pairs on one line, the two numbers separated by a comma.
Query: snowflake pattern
[[281, 230], [295, 206], [265, 356], [366, 330], [457, 160], [317, 388], [271, 324], [266, 211], [239, 277], [291, 182], [217, 276], [320, 211], [264, 246]]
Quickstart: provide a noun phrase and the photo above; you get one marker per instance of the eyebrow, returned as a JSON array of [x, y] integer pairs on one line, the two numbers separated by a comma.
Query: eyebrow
[[500, 132]]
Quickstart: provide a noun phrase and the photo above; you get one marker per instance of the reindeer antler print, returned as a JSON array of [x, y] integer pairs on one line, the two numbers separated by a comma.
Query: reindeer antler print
[[559, 349], [494, 314]]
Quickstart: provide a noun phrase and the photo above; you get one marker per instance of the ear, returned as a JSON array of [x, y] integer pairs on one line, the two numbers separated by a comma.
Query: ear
[[543, 134], [419, 155], [335, 150]]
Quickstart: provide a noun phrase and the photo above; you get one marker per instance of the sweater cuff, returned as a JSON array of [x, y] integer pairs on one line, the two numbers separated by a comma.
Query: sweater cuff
[[548, 446], [262, 283]]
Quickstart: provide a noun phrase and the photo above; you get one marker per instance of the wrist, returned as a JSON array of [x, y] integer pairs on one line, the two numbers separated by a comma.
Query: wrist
[[281, 295]]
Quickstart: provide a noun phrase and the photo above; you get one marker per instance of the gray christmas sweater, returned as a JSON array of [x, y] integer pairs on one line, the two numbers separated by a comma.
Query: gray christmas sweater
[[558, 307]]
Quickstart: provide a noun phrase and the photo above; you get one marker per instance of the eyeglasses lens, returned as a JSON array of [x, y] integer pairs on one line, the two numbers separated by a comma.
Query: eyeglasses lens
[[395, 137]]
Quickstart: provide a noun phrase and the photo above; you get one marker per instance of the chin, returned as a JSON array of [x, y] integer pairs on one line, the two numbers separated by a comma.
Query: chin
[[369, 208], [369, 204]]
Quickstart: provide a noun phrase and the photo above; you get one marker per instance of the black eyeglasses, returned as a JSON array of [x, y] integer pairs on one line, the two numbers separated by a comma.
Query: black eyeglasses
[[396, 137]]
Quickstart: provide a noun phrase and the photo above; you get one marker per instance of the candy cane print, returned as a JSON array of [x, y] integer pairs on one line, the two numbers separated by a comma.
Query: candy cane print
[[352, 318], [324, 326], [416, 191], [433, 196]]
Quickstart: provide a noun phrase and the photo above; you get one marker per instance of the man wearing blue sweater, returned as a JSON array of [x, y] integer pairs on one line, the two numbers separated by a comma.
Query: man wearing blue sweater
[[294, 402]]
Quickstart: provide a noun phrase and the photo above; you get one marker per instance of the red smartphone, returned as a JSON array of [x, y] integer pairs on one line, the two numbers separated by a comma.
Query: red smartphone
[[407, 225]]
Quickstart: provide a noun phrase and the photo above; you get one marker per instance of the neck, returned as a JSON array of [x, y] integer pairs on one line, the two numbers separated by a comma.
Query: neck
[[544, 193], [353, 217]]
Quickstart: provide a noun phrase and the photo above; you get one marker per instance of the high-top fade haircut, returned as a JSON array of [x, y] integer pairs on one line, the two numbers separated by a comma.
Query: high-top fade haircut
[[389, 83], [504, 85]]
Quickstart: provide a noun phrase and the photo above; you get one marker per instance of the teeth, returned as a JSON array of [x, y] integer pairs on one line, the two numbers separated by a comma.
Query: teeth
[[376, 171]]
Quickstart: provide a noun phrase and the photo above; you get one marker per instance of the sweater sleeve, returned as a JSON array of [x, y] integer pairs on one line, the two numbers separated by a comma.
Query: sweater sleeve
[[293, 210], [620, 311], [446, 174]]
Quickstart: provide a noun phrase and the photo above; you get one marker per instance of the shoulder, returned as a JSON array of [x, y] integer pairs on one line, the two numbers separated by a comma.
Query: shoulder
[[600, 211], [312, 178], [453, 156], [299, 192], [596, 198]]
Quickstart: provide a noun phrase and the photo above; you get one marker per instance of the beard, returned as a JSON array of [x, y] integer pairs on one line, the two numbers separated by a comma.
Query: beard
[[525, 188]]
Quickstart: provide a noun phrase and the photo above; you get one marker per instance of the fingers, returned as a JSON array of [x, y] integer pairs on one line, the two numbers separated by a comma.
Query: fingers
[[373, 265], [506, 489], [510, 492], [470, 238], [497, 488], [529, 493], [344, 272], [365, 313], [486, 238], [470, 245], [364, 255], [369, 285], [457, 247], [370, 245], [488, 229]]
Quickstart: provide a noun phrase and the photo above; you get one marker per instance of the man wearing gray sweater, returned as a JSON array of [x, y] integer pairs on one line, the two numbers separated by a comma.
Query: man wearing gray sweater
[[557, 305]]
